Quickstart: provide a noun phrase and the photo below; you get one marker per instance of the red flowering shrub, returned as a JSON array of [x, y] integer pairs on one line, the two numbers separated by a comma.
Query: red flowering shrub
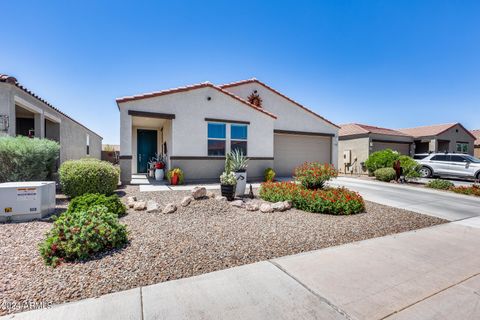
[[473, 190], [330, 201], [313, 175]]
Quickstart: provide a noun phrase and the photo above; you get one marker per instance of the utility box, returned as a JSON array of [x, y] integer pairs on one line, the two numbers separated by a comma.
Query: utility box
[[23, 201], [347, 156]]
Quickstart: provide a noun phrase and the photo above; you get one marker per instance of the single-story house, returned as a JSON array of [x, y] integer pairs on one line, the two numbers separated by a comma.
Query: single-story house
[[195, 126], [358, 141], [476, 133], [451, 137], [24, 113]]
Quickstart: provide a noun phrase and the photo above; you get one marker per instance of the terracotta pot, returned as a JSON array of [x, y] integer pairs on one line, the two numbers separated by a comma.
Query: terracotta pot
[[174, 179]]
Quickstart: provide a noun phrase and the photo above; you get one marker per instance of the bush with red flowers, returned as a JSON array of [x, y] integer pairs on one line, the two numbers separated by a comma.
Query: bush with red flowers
[[338, 201], [313, 175], [473, 190]]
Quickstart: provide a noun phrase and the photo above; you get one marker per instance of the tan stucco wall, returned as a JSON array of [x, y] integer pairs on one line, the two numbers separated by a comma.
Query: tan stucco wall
[[73, 136], [454, 137], [359, 150], [477, 152]]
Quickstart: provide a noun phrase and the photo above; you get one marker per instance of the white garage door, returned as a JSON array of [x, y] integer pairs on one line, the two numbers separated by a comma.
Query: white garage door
[[290, 151]]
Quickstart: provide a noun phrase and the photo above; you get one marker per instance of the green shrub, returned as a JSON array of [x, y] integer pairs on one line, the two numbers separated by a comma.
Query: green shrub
[[410, 167], [177, 171], [385, 174], [381, 159], [27, 159], [269, 175], [78, 177], [80, 235], [330, 201], [89, 200], [439, 184], [313, 175]]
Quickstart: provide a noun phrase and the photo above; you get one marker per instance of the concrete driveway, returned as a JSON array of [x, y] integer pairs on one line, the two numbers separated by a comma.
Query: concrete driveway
[[440, 204]]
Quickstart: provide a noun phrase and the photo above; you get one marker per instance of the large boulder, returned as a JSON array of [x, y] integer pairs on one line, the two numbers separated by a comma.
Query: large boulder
[[139, 206], [251, 206], [152, 206], [170, 208], [131, 201], [288, 204], [186, 201], [237, 203], [265, 207], [199, 193], [279, 206]]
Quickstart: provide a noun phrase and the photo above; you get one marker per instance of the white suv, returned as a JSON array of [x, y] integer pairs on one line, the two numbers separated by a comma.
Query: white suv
[[450, 164]]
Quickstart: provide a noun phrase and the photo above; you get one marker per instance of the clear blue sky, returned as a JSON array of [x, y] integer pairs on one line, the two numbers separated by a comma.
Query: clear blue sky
[[387, 63]]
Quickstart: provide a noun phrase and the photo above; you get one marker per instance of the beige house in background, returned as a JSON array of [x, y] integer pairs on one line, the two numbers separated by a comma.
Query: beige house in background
[[451, 137], [476, 133], [358, 141], [24, 113]]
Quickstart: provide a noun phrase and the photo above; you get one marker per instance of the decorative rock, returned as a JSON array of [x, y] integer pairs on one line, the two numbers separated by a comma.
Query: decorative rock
[[199, 192], [152, 206], [210, 194], [221, 198], [266, 208], [170, 208], [186, 201], [279, 206], [237, 203], [131, 201], [288, 204], [251, 206], [139, 206]]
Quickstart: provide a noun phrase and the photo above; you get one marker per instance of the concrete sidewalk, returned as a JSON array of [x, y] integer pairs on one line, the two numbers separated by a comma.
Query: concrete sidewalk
[[431, 273]]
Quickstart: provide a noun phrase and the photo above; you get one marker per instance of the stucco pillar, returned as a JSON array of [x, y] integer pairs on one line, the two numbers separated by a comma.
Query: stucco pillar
[[432, 146], [39, 125], [125, 146]]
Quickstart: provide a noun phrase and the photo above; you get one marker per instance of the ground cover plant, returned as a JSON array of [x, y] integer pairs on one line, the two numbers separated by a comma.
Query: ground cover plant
[[78, 177], [337, 201], [473, 190], [385, 174], [80, 235], [27, 159], [89, 200], [313, 175], [439, 184]]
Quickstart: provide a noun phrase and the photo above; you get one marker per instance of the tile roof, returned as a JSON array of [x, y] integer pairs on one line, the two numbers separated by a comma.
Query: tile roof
[[253, 80], [476, 133], [357, 129], [13, 81], [188, 88], [432, 130]]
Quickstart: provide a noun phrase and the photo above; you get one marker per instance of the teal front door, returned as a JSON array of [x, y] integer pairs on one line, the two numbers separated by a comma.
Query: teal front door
[[146, 148]]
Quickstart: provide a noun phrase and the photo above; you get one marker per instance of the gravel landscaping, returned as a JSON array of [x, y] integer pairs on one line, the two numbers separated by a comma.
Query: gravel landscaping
[[205, 236]]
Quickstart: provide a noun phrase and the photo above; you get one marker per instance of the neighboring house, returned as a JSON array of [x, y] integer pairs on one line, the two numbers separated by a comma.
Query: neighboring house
[[24, 113], [358, 141], [195, 126], [452, 137], [476, 133]]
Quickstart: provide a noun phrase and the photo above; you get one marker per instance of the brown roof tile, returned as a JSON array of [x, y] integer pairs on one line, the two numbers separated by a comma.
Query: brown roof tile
[[432, 130], [188, 88], [476, 133], [357, 129], [253, 80]]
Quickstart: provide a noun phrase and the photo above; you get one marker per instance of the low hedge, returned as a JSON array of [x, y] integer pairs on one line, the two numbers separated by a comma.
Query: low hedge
[[385, 174], [473, 190], [89, 200], [439, 184], [313, 175], [80, 235], [78, 177], [337, 201], [27, 159]]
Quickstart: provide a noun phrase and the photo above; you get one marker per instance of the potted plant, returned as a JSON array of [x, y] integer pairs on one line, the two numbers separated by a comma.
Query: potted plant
[[239, 166], [175, 176], [228, 180], [159, 166]]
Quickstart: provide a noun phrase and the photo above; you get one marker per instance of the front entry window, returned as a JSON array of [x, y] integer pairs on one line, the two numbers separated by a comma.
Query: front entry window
[[216, 139]]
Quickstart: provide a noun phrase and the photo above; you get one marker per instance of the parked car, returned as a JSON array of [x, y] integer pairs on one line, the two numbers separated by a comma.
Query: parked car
[[450, 164]]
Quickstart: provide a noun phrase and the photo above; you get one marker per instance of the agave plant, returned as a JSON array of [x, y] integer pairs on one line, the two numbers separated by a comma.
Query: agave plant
[[239, 161]]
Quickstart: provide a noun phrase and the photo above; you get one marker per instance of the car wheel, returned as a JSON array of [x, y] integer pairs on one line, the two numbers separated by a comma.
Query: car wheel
[[425, 172], [478, 176]]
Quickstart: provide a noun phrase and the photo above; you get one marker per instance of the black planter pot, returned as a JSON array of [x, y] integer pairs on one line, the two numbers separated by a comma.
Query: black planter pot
[[228, 191]]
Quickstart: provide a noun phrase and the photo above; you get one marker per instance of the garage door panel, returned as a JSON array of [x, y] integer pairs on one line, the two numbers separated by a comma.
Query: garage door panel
[[290, 151], [402, 148]]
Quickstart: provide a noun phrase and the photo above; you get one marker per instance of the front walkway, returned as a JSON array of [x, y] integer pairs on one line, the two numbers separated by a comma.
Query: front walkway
[[431, 273]]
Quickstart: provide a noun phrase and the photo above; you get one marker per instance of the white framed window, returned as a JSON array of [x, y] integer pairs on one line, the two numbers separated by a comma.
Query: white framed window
[[239, 138], [462, 147], [217, 138]]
